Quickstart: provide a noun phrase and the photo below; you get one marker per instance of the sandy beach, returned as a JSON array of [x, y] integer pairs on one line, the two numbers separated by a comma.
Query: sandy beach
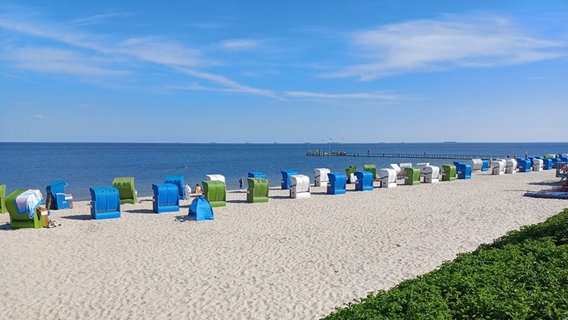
[[285, 259]]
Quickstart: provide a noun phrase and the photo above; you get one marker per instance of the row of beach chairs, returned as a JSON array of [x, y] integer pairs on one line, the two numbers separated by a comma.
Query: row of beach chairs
[[25, 209], [509, 165]]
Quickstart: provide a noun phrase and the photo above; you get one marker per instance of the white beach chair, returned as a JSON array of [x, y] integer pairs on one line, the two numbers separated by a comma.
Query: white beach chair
[[421, 165], [431, 174], [320, 177], [387, 176], [215, 177], [300, 186], [498, 167], [476, 164], [510, 166], [538, 164], [396, 168]]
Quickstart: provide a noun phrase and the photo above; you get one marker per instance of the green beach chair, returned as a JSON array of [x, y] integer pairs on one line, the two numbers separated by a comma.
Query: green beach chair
[[349, 171], [412, 176], [18, 221], [449, 172], [126, 190], [371, 168], [257, 190], [3, 199], [215, 192]]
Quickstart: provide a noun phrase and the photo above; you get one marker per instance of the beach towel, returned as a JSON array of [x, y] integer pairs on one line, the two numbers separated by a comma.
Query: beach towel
[[28, 201], [548, 194]]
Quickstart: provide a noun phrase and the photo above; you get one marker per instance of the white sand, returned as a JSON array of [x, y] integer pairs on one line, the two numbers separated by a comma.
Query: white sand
[[286, 259]]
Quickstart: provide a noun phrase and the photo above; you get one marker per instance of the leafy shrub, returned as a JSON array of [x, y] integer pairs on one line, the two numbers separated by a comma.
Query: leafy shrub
[[523, 275]]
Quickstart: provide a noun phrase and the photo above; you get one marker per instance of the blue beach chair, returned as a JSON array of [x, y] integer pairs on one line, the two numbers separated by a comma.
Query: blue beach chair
[[56, 197], [286, 174], [547, 164], [463, 170], [166, 197], [256, 174], [485, 165], [337, 183], [105, 203], [524, 165], [179, 181], [364, 181]]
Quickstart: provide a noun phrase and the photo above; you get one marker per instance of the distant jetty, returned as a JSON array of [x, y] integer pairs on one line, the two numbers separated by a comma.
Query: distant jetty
[[408, 155], [325, 154]]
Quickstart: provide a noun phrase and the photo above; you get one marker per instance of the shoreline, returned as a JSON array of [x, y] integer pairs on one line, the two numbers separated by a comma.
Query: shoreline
[[285, 259], [151, 163]]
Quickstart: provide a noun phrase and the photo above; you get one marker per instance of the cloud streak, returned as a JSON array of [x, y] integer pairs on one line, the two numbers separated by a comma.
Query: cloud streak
[[58, 61], [454, 42], [97, 19], [118, 55], [240, 44], [229, 85], [346, 96], [162, 52]]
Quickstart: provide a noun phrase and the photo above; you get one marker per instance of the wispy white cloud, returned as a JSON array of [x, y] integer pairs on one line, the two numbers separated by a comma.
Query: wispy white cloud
[[56, 33], [72, 53], [99, 18], [58, 61], [454, 41], [349, 96], [163, 52], [228, 85], [240, 44], [150, 49]]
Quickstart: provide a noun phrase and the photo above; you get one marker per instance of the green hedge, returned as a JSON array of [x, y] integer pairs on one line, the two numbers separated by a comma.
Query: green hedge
[[523, 275]]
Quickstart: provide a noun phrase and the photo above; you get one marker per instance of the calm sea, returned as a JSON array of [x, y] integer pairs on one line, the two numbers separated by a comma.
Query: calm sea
[[84, 165]]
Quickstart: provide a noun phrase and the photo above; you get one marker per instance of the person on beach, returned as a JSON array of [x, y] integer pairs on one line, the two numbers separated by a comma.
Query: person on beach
[[241, 183], [197, 189], [187, 191]]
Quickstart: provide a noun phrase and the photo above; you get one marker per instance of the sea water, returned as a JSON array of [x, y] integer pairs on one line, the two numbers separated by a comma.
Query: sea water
[[85, 165]]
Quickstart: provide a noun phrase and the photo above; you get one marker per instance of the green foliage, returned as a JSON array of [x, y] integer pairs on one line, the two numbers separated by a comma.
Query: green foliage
[[523, 275]]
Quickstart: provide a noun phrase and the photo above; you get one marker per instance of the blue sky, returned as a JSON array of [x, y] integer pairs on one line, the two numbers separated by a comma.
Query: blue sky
[[290, 71]]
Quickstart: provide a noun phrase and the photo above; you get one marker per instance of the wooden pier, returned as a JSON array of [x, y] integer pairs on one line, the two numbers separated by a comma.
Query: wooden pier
[[408, 155]]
